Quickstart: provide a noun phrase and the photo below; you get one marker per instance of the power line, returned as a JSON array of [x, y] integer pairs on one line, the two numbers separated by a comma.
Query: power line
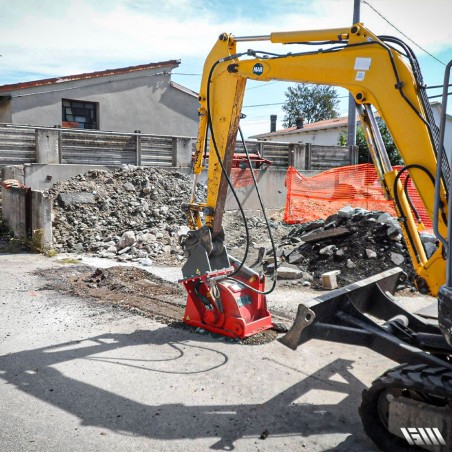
[[401, 32]]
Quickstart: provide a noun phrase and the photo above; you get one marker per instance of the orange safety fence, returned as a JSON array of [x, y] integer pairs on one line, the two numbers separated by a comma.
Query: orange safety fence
[[317, 197]]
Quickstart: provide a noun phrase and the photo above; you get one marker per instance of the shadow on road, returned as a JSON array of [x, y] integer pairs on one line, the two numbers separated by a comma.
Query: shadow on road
[[32, 372]]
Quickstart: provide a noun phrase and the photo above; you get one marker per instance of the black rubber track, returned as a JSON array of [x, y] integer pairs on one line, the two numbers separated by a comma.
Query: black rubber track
[[415, 380]]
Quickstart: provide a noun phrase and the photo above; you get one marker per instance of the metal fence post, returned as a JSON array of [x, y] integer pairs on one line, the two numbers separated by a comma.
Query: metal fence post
[[308, 156], [354, 155], [138, 147]]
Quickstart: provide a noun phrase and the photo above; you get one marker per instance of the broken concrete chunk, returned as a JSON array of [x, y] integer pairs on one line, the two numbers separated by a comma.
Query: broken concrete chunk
[[371, 254], [295, 257], [385, 218], [129, 187], [76, 198], [430, 248], [330, 233], [340, 252], [289, 273], [328, 250], [397, 259], [346, 212]]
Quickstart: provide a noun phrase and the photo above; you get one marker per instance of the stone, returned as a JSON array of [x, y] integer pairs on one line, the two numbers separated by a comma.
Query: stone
[[295, 257], [430, 248], [129, 186], [328, 250], [288, 273], [384, 218], [371, 254], [346, 212], [127, 239], [146, 262], [76, 198], [397, 259], [350, 264]]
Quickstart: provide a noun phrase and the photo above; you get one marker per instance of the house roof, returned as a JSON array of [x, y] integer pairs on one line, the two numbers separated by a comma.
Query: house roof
[[319, 125], [89, 75], [184, 89]]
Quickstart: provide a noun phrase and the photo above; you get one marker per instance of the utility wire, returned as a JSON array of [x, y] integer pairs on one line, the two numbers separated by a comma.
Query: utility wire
[[401, 32]]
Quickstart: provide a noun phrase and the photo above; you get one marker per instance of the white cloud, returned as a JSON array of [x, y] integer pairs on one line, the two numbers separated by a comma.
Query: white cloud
[[65, 37], [52, 38]]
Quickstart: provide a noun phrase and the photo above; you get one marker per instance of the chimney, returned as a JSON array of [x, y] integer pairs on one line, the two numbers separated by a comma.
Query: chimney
[[273, 123], [299, 123]]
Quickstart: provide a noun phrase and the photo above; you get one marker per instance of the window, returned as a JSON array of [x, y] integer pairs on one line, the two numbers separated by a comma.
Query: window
[[79, 114]]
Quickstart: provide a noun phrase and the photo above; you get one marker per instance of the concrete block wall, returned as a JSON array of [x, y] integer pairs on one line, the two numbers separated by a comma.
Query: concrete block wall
[[28, 215]]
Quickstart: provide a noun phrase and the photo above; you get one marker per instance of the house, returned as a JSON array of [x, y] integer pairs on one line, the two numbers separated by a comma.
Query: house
[[125, 99], [327, 132]]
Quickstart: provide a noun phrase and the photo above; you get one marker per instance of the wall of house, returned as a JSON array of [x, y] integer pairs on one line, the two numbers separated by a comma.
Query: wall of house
[[142, 100], [436, 107], [323, 137]]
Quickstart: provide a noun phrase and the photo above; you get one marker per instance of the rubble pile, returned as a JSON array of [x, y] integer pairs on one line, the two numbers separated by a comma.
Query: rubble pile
[[130, 213], [134, 214], [352, 244]]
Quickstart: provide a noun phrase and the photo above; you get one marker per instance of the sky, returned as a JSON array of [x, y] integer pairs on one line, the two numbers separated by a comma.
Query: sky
[[51, 38]]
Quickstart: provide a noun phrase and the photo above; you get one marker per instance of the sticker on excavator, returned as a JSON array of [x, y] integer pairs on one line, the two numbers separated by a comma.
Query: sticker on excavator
[[258, 69], [243, 300]]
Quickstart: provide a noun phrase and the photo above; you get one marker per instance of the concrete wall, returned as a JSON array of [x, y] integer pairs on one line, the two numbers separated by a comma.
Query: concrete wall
[[42, 177], [41, 220], [14, 211], [28, 214], [140, 100]]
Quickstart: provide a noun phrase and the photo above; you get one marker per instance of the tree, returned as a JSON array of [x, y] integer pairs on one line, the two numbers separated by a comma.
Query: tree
[[363, 153], [311, 102]]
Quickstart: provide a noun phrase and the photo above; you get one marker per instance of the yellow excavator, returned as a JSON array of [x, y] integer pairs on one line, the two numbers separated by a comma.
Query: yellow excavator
[[410, 405]]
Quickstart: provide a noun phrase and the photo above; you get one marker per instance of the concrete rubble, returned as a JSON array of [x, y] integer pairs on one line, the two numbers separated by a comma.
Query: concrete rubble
[[133, 214], [346, 247]]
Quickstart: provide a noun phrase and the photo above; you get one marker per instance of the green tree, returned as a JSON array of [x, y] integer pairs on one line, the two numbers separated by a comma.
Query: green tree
[[363, 154], [390, 146], [311, 102]]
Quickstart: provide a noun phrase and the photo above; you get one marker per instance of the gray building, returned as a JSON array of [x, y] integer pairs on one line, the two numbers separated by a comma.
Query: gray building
[[125, 99]]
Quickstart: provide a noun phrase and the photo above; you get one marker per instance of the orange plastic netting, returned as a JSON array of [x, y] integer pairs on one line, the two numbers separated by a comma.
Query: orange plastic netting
[[316, 197]]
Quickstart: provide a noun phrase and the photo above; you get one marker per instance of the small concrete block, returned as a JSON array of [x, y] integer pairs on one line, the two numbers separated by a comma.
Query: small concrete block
[[329, 280]]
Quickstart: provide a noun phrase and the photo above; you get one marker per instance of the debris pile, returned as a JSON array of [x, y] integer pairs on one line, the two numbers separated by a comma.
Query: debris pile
[[130, 214], [348, 246], [134, 214]]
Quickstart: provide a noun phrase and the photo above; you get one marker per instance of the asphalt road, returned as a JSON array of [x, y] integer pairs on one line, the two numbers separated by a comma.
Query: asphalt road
[[81, 376]]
